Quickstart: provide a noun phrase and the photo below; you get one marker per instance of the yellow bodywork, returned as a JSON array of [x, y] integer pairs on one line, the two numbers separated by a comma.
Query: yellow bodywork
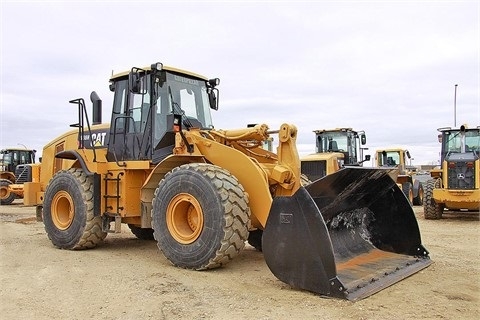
[[261, 172], [455, 199], [458, 199], [332, 160]]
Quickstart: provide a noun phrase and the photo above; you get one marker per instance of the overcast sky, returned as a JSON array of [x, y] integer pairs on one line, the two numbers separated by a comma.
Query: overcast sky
[[386, 67]]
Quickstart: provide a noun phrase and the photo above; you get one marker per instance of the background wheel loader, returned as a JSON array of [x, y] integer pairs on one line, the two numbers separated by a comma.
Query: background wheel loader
[[397, 158], [14, 171], [334, 149], [456, 185], [161, 168]]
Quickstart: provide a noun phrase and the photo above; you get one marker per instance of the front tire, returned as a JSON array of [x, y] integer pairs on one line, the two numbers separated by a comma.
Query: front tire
[[68, 211], [6, 197], [200, 216], [431, 209]]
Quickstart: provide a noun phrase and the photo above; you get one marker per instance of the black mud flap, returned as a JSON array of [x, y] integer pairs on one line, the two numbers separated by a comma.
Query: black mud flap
[[347, 235]]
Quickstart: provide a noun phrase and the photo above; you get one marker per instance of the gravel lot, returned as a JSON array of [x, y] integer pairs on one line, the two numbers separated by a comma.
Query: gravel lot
[[127, 278]]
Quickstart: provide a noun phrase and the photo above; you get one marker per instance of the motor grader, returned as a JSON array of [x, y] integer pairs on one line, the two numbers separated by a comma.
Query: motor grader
[[14, 171], [163, 169], [334, 149], [397, 158], [455, 186]]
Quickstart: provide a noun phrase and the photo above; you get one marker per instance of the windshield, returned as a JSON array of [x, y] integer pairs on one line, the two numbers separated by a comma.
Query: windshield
[[332, 142], [389, 158], [335, 141], [5, 160], [5, 157], [189, 96], [454, 140]]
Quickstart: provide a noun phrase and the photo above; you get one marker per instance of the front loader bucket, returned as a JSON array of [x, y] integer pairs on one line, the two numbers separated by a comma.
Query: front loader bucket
[[347, 235]]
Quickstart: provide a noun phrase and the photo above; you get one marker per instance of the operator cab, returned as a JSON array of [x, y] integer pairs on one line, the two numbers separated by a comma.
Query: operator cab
[[460, 141], [342, 140], [390, 158], [145, 103], [13, 157]]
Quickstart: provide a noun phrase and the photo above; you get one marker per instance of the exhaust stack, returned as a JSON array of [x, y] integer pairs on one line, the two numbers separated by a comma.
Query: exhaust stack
[[96, 108]]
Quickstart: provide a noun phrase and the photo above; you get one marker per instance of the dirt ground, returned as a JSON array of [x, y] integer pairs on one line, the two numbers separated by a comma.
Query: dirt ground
[[127, 278]]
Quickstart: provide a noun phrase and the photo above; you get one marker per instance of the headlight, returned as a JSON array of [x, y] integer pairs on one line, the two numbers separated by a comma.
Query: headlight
[[157, 66], [214, 82]]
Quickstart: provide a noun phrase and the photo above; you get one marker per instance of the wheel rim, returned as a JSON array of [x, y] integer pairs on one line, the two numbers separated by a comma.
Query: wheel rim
[[3, 193], [184, 218], [62, 210]]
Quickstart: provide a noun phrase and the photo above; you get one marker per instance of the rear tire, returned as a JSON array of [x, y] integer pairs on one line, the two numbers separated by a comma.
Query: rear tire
[[200, 216], [142, 233], [68, 211], [6, 197], [255, 239], [418, 200], [407, 189], [431, 209]]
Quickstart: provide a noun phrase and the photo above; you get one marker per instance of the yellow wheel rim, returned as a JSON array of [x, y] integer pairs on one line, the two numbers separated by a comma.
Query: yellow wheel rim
[[62, 210], [3, 193], [184, 218]]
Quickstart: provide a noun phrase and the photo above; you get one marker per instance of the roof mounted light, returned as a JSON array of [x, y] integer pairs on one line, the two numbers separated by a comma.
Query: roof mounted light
[[157, 66], [444, 129], [214, 82]]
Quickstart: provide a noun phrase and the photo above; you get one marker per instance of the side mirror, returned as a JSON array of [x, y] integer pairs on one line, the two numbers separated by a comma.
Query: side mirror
[[363, 139], [367, 157], [212, 97], [134, 82], [213, 92]]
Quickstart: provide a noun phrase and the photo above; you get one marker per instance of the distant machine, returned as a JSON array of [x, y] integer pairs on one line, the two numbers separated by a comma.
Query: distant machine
[[14, 171], [456, 184]]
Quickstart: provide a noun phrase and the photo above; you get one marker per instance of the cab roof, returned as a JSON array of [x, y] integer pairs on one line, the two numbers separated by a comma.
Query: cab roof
[[168, 68], [334, 130], [443, 129], [16, 149]]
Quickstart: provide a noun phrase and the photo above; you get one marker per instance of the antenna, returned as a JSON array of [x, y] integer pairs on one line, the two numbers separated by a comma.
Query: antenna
[[455, 108]]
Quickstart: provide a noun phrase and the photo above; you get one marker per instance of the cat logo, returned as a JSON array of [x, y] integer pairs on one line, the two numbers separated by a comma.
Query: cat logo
[[97, 139]]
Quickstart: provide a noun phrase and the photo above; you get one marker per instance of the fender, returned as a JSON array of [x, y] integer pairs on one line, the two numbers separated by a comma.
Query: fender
[[416, 187], [74, 155]]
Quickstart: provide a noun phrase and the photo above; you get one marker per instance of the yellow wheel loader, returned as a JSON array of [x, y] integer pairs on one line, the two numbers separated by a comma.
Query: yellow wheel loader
[[14, 172], [397, 158], [334, 149], [456, 185], [163, 169]]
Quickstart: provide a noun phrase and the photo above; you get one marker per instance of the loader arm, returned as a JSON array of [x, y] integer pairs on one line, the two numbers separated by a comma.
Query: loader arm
[[261, 177]]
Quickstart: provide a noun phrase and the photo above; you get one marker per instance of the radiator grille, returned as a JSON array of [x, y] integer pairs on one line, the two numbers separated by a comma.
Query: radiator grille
[[314, 169], [23, 173], [461, 176]]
